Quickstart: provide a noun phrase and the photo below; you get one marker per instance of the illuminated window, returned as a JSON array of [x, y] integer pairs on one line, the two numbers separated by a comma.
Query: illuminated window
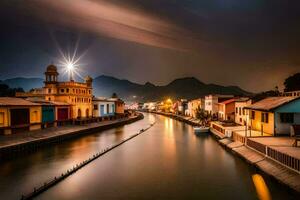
[[1, 118]]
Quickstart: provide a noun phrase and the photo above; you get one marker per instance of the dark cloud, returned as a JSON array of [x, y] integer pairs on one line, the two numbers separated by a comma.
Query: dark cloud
[[251, 43]]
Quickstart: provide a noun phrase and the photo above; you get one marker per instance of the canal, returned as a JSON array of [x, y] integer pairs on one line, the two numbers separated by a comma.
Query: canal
[[167, 162]]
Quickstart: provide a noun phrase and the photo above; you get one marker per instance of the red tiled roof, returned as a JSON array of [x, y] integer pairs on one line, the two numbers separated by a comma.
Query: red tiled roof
[[228, 101], [271, 103], [13, 101], [46, 102]]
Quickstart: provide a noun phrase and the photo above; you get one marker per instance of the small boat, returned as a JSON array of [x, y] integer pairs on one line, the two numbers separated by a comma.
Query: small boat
[[201, 129]]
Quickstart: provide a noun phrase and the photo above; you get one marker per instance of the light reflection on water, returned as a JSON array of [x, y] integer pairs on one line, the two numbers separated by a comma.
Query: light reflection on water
[[167, 162], [261, 187]]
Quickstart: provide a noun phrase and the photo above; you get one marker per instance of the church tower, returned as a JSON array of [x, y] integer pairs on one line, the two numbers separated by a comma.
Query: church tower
[[51, 80]]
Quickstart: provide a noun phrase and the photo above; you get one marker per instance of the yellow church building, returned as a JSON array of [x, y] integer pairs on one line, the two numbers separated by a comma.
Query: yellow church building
[[77, 94]]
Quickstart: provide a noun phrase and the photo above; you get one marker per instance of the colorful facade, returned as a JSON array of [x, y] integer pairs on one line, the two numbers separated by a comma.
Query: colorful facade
[[103, 107], [19, 115], [226, 110], [193, 105], [241, 114], [274, 115], [211, 103], [53, 112], [77, 95], [119, 105]]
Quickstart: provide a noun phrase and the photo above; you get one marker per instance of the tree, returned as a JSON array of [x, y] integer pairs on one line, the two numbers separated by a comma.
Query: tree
[[202, 115], [292, 83], [5, 91]]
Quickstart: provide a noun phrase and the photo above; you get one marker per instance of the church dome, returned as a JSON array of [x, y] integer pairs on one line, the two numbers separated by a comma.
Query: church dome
[[88, 79], [51, 68]]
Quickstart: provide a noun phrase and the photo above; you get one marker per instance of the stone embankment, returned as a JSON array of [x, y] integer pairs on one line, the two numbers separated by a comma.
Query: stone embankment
[[18, 144]]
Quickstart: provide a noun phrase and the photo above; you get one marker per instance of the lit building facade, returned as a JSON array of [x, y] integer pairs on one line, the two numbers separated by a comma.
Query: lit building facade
[[17, 115], [77, 95], [274, 115]]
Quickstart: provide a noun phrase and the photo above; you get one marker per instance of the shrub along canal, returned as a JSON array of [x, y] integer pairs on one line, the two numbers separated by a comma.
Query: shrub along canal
[[166, 162]]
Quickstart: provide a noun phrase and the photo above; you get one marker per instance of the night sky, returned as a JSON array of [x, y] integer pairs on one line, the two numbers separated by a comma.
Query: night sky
[[254, 44]]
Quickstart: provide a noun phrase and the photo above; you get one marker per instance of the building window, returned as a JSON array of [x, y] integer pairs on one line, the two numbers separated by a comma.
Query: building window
[[265, 117], [107, 108], [236, 110], [89, 91], [243, 111], [49, 91], [253, 114], [240, 111], [49, 98], [1, 118], [287, 117], [62, 90], [67, 90], [95, 107]]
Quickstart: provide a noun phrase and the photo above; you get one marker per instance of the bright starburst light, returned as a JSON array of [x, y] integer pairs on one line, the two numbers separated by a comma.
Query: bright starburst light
[[70, 62]]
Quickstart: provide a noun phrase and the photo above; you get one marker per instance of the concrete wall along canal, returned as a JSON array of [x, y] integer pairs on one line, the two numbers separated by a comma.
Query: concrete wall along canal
[[21, 148]]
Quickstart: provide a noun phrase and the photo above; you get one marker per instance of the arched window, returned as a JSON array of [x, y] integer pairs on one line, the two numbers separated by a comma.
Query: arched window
[[87, 113], [79, 113]]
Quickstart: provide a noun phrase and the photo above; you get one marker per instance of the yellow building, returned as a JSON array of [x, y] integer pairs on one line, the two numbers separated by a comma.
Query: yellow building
[[274, 115], [78, 95], [120, 106], [18, 115], [193, 105]]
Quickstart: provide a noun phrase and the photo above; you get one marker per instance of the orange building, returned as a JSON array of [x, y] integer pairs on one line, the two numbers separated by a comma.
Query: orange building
[[78, 95]]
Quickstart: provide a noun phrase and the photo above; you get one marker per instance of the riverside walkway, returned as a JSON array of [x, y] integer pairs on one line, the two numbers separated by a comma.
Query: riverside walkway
[[17, 142]]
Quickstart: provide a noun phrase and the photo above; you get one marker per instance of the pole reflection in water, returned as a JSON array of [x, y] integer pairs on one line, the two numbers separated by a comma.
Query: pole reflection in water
[[261, 187]]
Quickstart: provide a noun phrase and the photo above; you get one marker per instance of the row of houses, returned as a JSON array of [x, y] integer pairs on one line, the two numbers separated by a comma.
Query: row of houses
[[57, 103], [271, 116]]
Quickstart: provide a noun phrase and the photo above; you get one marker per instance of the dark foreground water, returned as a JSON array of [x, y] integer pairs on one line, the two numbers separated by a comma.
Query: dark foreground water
[[167, 162]]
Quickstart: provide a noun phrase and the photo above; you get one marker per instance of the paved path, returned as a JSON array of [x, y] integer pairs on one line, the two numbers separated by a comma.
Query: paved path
[[15, 139], [281, 144]]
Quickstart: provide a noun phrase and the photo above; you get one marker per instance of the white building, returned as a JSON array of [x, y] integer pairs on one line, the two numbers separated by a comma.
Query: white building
[[241, 115], [103, 107], [212, 102]]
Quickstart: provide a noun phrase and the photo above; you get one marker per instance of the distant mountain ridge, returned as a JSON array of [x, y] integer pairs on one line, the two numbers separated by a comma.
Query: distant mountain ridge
[[188, 87]]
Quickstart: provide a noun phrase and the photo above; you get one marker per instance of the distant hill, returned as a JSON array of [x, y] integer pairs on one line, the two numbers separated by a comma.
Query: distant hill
[[25, 83], [188, 88]]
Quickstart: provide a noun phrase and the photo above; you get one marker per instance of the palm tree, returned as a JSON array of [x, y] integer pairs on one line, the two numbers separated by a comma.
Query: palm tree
[[202, 115]]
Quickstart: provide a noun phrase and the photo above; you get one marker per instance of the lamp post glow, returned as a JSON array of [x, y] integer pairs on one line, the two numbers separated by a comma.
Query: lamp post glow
[[70, 69], [70, 66]]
